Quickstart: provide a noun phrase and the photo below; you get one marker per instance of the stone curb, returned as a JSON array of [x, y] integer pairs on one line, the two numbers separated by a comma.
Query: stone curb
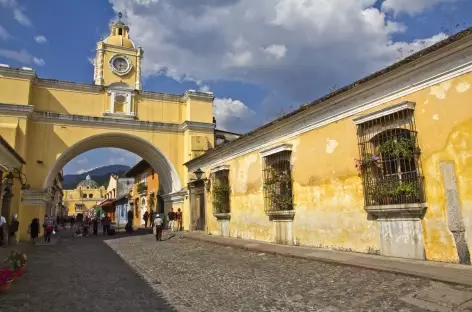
[[461, 276]]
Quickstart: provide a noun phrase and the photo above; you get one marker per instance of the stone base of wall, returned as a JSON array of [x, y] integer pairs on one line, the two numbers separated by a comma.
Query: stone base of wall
[[401, 238]]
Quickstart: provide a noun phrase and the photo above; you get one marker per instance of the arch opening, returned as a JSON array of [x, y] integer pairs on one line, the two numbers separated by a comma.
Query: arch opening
[[170, 180]]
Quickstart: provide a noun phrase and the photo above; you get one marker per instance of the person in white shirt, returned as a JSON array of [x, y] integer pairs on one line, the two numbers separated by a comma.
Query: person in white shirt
[[158, 227]]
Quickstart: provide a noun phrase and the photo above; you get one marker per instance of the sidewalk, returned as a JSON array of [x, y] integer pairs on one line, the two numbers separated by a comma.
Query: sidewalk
[[439, 271]]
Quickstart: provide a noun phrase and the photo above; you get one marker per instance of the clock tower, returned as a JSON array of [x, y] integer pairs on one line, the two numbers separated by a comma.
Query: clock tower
[[118, 60]]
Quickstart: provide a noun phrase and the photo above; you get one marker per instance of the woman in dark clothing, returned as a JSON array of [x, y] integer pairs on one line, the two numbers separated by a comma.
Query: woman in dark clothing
[[34, 229]]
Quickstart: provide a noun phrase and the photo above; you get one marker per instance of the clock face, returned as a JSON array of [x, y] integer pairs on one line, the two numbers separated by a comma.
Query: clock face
[[120, 64]]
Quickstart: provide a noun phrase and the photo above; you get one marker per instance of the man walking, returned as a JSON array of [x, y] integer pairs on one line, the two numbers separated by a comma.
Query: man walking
[[158, 227], [171, 216]]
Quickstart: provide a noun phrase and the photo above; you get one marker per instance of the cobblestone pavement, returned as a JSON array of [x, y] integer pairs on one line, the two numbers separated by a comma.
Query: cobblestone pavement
[[136, 273]]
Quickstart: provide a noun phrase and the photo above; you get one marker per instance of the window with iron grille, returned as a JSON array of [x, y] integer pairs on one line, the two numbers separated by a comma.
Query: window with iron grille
[[390, 159], [221, 191], [278, 182]]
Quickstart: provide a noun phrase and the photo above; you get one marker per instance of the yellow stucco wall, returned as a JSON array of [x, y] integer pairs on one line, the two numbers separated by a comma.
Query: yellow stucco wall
[[15, 90], [328, 194]]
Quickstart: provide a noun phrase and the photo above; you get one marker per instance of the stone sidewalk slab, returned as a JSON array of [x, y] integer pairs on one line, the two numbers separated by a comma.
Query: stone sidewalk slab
[[438, 271]]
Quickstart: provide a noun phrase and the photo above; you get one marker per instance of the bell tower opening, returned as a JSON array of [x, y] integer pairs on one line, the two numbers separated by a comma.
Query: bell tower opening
[[118, 60]]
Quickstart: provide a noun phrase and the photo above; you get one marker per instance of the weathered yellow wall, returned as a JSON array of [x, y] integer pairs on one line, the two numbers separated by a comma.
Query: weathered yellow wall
[[15, 91], [327, 190]]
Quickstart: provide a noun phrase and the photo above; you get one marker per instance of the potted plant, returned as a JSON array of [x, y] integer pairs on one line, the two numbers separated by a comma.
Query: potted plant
[[6, 277], [17, 262]]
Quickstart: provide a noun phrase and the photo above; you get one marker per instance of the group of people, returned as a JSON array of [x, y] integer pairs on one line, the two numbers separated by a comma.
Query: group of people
[[174, 223], [8, 230], [94, 222]]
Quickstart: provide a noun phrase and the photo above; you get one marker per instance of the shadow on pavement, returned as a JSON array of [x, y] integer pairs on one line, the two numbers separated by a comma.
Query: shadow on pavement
[[82, 274]]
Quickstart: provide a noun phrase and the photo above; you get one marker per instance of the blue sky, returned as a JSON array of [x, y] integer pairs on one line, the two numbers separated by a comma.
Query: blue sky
[[260, 58]]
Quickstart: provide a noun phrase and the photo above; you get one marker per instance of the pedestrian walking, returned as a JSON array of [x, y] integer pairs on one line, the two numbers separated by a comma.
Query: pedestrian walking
[[3, 224], [33, 230], [146, 218], [95, 226], [178, 218], [158, 227], [171, 216], [106, 221], [48, 226]]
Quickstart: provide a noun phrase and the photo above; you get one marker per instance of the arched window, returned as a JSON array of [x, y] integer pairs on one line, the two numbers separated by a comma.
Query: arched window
[[84, 195], [90, 195]]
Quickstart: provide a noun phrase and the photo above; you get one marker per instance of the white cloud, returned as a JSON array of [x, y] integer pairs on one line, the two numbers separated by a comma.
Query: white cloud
[[40, 39], [411, 7], [21, 56], [21, 18], [295, 49], [4, 35], [17, 10], [82, 171], [82, 161], [232, 114], [117, 161], [276, 50], [38, 61]]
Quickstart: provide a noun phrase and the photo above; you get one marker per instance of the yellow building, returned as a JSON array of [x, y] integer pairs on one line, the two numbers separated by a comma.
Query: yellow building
[[145, 195], [84, 197], [383, 165], [49, 122]]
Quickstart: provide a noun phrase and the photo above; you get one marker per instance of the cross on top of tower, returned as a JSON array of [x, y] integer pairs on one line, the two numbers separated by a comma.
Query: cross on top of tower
[[120, 15]]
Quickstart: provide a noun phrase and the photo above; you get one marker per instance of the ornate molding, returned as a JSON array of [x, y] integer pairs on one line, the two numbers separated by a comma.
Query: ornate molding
[[175, 98], [176, 197], [23, 72], [385, 112], [402, 211], [276, 149], [36, 197], [219, 168], [196, 95]]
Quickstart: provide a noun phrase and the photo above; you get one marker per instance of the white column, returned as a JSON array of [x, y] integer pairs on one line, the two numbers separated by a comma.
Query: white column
[[112, 102]]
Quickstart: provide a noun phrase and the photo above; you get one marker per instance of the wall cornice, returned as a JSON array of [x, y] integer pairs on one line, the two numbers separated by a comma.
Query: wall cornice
[[199, 96], [35, 197], [17, 73], [67, 85], [160, 96], [16, 110], [433, 69], [92, 121]]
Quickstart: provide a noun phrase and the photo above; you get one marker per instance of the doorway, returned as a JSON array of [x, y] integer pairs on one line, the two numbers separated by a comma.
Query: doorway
[[197, 204]]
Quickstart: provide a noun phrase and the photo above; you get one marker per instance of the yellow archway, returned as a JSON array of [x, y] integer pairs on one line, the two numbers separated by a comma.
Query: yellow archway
[[162, 165]]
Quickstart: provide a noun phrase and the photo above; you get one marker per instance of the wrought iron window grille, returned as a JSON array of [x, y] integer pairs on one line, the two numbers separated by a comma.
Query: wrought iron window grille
[[390, 164], [277, 173], [221, 191]]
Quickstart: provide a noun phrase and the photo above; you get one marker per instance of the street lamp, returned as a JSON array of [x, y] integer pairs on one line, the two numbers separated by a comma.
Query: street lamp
[[15, 173], [198, 173]]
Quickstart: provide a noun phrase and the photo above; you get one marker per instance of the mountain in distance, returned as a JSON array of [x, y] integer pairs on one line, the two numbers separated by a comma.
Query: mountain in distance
[[101, 175]]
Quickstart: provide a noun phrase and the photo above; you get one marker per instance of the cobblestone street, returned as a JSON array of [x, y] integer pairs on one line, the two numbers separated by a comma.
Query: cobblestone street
[[135, 273]]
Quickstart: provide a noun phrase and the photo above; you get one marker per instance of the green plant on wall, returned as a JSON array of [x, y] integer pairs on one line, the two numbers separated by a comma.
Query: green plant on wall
[[278, 187], [220, 193], [400, 147], [141, 187], [395, 192]]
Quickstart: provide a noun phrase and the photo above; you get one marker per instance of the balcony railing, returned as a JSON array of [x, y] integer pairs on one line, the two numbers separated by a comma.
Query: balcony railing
[[142, 188]]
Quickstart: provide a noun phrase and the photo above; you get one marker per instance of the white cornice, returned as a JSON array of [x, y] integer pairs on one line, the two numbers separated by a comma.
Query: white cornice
[[17, 110], [92, 121], [219, 168], [67, 85], [35, 197], [201, 96], [431, 70], [17, 72], [276, 149], [176, 197], [385, 112], [176, 98]]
